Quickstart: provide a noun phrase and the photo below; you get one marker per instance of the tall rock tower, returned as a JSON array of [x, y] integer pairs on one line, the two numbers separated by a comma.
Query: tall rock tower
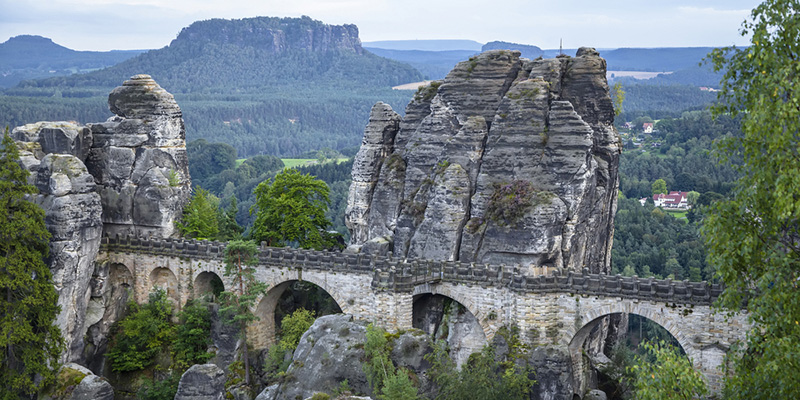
[[507, 160], [128, 175]]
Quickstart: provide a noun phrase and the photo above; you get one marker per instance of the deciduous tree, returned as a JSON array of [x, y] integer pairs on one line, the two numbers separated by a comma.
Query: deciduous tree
[[291, 210], [663, 373], [200, 216], [754, 237], [30, 342]]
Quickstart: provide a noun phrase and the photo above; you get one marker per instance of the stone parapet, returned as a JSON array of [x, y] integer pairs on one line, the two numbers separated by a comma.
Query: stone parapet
[[393, 274]]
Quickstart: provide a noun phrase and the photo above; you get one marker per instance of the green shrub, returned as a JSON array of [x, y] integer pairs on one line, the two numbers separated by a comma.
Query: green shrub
[[398, 386], [275, 364], [142, 334], [193, 336], [294, 326], [377, 350], [164, 389], [484, 375]]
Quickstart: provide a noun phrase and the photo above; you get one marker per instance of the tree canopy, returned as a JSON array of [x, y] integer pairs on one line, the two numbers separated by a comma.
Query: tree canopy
[[291, 209], [29, 340], [753, 236]]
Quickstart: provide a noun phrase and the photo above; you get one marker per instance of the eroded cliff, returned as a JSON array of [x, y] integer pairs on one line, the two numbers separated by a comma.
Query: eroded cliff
[[506, 160]]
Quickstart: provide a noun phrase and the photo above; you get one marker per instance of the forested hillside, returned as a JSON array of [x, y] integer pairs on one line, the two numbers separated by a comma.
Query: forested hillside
[[647, 240], [278, 86]]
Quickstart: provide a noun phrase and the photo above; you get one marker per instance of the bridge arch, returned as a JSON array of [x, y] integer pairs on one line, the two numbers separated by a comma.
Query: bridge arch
[[263, 332], [595, 316], [467, 302], [471, 338], [208, 282], [164, 278]]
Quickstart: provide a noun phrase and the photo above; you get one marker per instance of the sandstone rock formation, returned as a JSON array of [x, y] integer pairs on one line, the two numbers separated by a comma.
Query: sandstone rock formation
[[139, 160], [72, 215], [275, 35], [127, 175], [505, 161]]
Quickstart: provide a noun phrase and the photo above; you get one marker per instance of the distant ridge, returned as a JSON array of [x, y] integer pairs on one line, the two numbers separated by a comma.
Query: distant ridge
[[528, 51], [426, 45], [265, 85], [30, 56]]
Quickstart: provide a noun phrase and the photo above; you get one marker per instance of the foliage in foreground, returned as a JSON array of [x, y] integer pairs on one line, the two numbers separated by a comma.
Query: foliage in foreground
[[753, 237], [386, 381], [145, 331], [663, 373], [484, 375], [29, 339]]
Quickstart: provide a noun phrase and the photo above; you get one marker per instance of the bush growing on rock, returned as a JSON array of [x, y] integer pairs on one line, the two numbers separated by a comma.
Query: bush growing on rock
[[142, 334], [484, 375]]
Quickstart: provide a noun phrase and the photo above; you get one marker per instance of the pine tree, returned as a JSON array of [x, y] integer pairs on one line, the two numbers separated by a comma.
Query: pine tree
[[240, 257], [29, 340]]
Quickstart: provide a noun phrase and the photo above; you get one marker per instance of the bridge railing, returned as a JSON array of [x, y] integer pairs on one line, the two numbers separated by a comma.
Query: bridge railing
[[390, 273]]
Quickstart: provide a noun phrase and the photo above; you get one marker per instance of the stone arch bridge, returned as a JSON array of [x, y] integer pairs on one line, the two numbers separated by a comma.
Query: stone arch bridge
[[548, 307]]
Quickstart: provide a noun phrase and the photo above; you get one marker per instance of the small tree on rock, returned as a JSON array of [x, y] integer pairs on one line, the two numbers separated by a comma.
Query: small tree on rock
[[240, 258]]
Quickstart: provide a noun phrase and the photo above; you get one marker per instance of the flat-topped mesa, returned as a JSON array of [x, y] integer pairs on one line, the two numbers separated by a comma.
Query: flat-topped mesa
[[506, 160], [139, 160]]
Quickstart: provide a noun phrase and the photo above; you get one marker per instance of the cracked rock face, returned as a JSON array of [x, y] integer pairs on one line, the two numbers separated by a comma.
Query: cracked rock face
[[72, 215], [139, 160], [505, 161]]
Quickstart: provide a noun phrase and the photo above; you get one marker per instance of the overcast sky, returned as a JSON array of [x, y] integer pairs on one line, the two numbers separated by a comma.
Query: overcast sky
[[149, 24]]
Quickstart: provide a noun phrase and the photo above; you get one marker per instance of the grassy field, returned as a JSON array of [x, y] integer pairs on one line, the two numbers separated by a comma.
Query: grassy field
[[297, 162], [677, 214]]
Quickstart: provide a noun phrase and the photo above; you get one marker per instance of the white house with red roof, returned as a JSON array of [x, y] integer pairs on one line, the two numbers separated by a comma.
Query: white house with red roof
[[647, 127], [672, 200]]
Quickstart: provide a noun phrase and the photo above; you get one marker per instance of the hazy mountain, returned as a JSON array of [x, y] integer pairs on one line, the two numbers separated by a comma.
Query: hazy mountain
[[426, 45], [28, 57], [432, 64], [279, 86], [528, 51]]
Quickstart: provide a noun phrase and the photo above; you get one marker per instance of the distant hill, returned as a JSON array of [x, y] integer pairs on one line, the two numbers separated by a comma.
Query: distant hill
[[432, 64], [29, 57], [528, 51], [279, 86], [425, 45], [657, 59]]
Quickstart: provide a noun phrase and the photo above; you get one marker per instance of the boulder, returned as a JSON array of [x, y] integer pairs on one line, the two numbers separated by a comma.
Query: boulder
[[202, 382], [595, 394], [329, 352], [93, 387], [76, 382]]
